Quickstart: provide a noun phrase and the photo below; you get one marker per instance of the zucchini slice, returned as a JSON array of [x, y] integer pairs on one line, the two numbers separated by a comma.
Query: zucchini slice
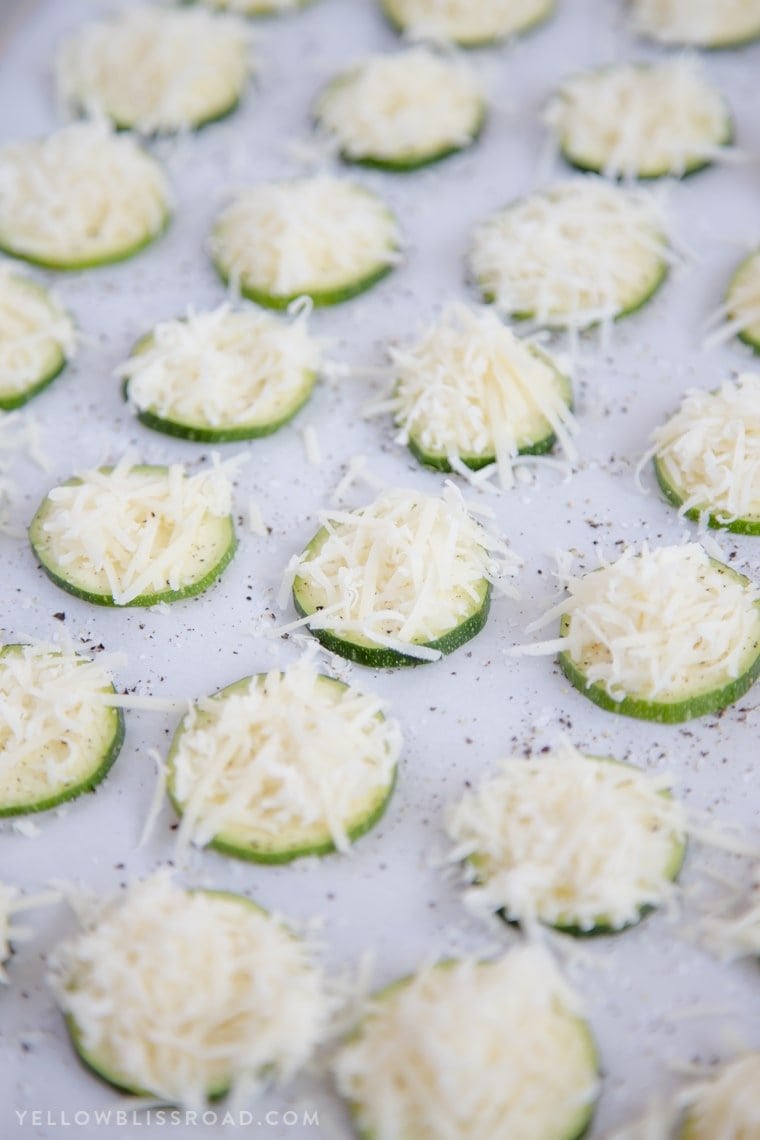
[[469, 23], [400, 581], [583, 252], [707, 456], [582, 843], [222, 375], [79, 198], [726, 1106], [255, 7], [37, 339], [135, 535], [155, 70], [497, 1049], [641, 120], [324, 238], [58, 736], [163, 996], [282, 765], [743, 301], [470, 390], [403, 111], [697, 23], [666, 635]]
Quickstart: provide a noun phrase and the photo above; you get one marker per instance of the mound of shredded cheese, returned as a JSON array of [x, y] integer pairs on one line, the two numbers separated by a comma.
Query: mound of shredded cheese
[[309, 236], [470, 388], [727, 1107], [180, 994], [469, 1050], [700, 23], [640, 119], [663, 625], [408, 106], [466, 21], [709, 451], [742, 308], [137, 530], [582, 252], [155, 69], [55, 725], [82, 194], [403, 570], [569, 840], [223, 369], [36, 333], [285, 759]]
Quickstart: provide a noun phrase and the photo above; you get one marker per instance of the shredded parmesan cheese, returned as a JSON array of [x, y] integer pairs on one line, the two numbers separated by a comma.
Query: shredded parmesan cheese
[[700, 23], [667, 624], [182, 994], [283, 761], [409, 107], [466, 21], [315, 236], [54, 728], [223, 370], [18, 433], [728, 1107], [155, 69], [129, 531], [36, 334], [80, 196], [470, 389], [582, 252], [467, 1050], [404, 570], [709, 451], [641, 120], [570, 840]]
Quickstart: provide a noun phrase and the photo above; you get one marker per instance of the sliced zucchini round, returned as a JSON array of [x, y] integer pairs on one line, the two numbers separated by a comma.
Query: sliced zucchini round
[[58, 737], [155, 69], [469, 23], [221, 376], [465, 1048], [581, 843], [37, 338], [666, 635], [470, 390], [583, 252], [641, 120], [402, 111], [282, 765], [707, 458], [707, 24], [135, 535], [400, 581], [726, 1106], [743, 301], [255, 7], [163, 997], [324, 238], [79, 198]]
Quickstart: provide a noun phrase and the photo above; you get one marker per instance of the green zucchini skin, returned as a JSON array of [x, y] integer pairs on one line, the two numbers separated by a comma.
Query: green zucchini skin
[[475, 44], [263, 16], [18, 399], [320, 298], [78, 264], [735, 526], [661, 712], [744, 335], [276, 854]]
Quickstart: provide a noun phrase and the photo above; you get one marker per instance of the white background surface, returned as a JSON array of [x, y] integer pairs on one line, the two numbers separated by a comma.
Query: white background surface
[[458, 715]]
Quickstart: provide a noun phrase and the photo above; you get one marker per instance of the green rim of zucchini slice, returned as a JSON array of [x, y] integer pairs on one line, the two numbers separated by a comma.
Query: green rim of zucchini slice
[[700, 703], [725, 41], [75, 264], [749, 267], [320, 298], [293, 843], [210, 555], [257, 9], [52, 361], [361, 650], [97, 754], [677, 495], [394, 14]]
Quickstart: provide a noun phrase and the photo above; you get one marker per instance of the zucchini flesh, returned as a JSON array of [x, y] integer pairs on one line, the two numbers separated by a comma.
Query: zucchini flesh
[[295, 840], [404, 22], [320, 297], [49, 348], [27, 785], [76, 262], [677, 495]]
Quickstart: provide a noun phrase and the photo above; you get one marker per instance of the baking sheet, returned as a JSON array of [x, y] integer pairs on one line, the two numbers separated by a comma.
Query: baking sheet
[[652, 996]]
